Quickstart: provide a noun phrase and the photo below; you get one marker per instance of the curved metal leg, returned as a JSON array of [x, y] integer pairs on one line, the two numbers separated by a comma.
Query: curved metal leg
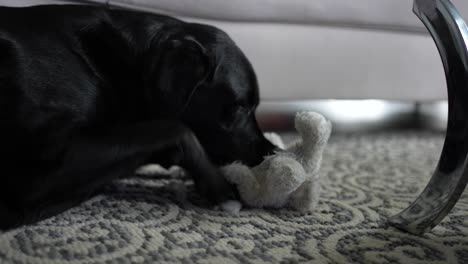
[[451, 176]]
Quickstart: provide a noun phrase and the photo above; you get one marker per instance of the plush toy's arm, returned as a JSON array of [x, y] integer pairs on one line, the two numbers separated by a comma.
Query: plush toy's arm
[[315, 131]]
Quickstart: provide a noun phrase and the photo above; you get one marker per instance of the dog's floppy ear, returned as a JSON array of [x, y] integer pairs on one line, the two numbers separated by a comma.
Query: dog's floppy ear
[[182, 66]]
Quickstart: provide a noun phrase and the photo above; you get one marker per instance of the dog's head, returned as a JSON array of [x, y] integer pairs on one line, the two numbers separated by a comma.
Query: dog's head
[[205, 79]]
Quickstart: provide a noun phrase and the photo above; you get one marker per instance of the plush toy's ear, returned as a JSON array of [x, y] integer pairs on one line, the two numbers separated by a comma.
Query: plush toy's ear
[[275, 139]]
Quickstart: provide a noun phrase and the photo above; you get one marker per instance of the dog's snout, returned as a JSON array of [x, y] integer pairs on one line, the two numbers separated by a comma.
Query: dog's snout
[[263, 148], [269, 148]]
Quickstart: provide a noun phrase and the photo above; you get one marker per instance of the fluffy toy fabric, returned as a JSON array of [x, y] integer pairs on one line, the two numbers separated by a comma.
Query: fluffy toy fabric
[[289, 178]]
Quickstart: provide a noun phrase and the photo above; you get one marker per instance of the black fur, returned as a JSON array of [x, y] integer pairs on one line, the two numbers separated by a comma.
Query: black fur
[[88, 94]]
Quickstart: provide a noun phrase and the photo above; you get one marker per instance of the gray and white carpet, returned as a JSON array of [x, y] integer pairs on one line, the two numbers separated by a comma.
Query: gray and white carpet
[[366, 178]]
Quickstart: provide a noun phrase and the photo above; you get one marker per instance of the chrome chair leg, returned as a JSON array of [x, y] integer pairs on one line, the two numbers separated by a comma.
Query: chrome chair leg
[[450, 178]]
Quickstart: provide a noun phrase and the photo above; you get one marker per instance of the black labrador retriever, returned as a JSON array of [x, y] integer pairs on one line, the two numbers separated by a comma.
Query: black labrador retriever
[[88, 94]]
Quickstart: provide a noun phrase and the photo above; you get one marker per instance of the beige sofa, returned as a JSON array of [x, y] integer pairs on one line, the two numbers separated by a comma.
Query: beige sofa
[[305, 50], [322, 49], [325, 49]]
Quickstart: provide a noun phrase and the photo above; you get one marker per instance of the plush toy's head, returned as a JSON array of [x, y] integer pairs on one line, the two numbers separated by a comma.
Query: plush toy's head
[[270, 183], [290, 177]]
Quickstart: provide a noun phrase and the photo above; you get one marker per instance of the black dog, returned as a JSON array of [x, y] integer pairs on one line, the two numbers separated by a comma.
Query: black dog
[[89, 94]]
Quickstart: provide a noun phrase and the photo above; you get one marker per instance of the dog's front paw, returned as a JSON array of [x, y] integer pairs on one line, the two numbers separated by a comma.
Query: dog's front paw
[[216, 189], [152, 170]]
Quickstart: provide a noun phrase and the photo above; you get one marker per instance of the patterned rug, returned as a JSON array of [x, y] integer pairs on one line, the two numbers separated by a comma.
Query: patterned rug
[[366, 178]]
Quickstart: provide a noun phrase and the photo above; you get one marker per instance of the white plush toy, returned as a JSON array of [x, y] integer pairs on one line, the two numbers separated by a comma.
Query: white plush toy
[[289, 178]]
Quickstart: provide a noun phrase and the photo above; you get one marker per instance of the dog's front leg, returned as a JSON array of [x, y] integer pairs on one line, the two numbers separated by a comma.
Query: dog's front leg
[[96, 157], [122, 149]]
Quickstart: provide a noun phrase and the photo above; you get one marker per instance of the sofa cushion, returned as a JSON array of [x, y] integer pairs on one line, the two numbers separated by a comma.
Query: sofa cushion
[[374, 14], [19, 3], [379, 14]]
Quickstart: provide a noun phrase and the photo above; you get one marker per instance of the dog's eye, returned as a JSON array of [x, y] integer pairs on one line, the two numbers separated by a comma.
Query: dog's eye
[[231, 115]]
